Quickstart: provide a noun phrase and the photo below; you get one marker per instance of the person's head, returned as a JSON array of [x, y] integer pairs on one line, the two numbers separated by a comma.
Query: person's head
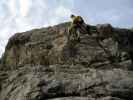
[[72, 16]]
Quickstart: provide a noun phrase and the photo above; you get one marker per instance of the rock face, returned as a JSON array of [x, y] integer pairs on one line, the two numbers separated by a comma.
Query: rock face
[[42, 64], [48, 46]]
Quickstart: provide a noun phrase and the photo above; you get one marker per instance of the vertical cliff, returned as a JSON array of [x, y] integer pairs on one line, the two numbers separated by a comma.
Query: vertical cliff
[[42, 64]]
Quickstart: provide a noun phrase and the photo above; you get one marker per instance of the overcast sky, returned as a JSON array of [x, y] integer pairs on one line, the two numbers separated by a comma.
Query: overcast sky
[[23, 15]]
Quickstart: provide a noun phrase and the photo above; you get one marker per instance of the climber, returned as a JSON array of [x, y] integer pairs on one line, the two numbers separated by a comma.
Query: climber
[[77, 19], [77, 26]]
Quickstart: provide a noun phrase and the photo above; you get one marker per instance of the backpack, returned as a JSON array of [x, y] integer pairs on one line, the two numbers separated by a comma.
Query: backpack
[[78, 19]]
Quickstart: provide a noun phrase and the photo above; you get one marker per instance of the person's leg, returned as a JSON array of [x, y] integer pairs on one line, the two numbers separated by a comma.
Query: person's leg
[[84, 29], [78, 35], [87, 28], [71, 32]]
